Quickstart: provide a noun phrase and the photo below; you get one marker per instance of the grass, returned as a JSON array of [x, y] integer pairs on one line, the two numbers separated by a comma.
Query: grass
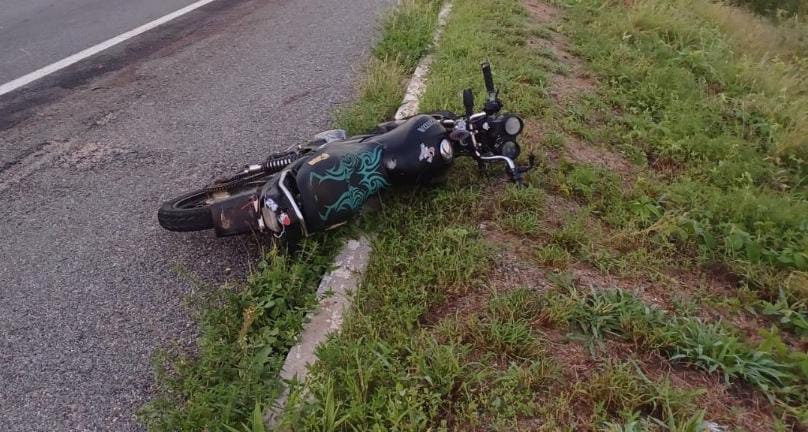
[[712, 124], [406, 37], [709, 346], [667, 292], [246, 332], [738, 194], [624, 390], [244, 337], [409, 262]]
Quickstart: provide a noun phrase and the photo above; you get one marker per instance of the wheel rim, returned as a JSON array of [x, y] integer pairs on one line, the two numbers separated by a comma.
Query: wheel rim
[[195, 201]]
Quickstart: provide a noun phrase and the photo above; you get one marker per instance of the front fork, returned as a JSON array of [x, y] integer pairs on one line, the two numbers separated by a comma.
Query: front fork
[[515, 172]]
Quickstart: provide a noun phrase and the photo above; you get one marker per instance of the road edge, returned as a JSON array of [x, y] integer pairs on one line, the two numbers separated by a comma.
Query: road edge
[[338, 288]]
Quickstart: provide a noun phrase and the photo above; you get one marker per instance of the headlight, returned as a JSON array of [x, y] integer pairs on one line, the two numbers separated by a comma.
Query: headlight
[[510, 149], [513, 125]]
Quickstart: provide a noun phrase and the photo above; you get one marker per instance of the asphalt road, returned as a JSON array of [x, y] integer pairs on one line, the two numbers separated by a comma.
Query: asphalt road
[[35, 33], [90, 286]]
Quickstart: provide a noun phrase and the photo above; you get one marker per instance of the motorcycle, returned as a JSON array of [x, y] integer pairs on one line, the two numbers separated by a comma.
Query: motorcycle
[[322, 184]]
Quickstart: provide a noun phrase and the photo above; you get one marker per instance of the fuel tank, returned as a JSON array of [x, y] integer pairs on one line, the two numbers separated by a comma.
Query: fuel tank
[[337, 179], [416, 152]]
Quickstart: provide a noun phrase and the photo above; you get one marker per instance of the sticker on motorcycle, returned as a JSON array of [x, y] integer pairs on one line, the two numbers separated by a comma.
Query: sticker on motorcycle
[[427, 153], [319, 159], [366, 166], [271, 204]]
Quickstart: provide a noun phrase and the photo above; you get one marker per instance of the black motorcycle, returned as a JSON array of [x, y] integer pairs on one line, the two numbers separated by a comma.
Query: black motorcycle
[[322, 184]]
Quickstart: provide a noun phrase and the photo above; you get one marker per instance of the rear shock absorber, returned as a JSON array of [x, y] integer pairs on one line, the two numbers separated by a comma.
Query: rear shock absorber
[[275, 163], [278, 162]]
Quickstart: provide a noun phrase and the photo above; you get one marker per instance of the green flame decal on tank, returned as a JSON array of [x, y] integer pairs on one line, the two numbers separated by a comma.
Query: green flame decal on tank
[[366, 166]]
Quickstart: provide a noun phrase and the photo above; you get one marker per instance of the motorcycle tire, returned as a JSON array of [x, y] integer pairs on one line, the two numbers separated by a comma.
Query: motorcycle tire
[[189, 212]]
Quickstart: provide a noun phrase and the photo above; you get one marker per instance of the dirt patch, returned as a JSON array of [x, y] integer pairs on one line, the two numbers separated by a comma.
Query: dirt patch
[[559, 210], [734, 407], [457, 305], [512, 269], [651, 292], [572, 79], [513, 272], [504, 241], [577, 360], [579, 152], [664, 166], [567, 83], [711, 286], [567, 87], [542, 12]]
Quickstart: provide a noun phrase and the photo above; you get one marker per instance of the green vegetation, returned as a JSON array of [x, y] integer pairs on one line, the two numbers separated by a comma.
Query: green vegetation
[[776, 7], [246, 332], [664, 237], [244, 337], [407, 34], [707, 123], [788, 313], [406, 37], [738, 154], [712, 347], [392, 376]]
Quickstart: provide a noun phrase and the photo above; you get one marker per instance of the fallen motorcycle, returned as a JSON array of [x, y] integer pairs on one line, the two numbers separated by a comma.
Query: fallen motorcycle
[[322, 184]]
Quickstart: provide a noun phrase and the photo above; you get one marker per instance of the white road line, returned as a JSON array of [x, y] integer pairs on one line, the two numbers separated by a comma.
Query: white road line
[[93, 50]]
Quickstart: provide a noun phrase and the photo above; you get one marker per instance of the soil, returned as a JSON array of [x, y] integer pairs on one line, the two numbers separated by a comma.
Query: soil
[[559, 209], [542, 12], [577, 151], [569, 82], [576, 79], [734, 406], [730, 406]]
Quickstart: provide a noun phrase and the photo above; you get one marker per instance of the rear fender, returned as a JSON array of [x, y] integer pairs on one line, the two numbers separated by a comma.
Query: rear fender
[[237, 214]]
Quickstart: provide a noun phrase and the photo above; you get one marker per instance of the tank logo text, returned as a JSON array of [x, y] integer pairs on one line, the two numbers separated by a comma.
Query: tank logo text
[[319, 159], [426, 125]]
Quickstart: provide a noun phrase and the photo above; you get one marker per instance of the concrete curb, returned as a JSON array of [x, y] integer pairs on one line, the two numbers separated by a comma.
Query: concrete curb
[[336, 296], [417, 85], [351, 262]]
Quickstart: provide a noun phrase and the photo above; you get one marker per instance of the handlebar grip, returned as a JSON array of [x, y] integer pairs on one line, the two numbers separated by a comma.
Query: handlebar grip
[[468, 102], [489, 79]]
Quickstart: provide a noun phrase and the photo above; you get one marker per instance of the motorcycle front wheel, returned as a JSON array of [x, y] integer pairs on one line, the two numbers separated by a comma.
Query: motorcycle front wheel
[[192, 211], [189, 212]]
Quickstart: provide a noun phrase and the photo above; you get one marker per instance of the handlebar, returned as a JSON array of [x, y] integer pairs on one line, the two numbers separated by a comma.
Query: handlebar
[[489, 81], [468, 102]]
